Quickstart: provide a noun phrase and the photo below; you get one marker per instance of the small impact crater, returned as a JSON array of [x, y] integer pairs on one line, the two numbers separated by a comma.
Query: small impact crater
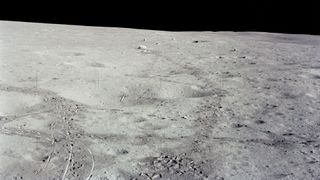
[[150, 93]]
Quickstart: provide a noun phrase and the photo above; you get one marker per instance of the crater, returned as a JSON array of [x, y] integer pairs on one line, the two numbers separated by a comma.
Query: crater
[[170, 91], [150, 93]]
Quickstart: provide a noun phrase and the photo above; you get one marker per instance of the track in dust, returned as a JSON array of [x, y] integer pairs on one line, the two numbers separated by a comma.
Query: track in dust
[[63, 140]]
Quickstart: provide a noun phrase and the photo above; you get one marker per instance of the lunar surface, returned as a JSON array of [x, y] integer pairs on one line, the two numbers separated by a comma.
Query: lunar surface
[[106, 103]]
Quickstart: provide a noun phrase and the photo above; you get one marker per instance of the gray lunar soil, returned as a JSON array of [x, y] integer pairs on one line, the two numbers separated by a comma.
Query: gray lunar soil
[[102, 103]]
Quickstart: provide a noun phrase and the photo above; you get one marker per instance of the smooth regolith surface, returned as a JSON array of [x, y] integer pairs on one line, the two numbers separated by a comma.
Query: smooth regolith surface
[[104, 103]]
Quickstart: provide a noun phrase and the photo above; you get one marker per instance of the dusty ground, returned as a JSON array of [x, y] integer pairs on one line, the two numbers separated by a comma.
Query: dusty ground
[[110, 103]]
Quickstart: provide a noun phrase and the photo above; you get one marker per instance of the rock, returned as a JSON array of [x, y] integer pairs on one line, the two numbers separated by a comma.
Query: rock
[[260, 122], [173, 161], [142, 47], [156, 176], [237, 125], [122, 151]]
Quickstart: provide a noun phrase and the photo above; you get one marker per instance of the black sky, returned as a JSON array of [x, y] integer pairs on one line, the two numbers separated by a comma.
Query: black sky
[[259, 15]]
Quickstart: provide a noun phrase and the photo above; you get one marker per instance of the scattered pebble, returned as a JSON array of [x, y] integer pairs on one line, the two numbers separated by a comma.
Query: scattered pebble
[[174, 165]]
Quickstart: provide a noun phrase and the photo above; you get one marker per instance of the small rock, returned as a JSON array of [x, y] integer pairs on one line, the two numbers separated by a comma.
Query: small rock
[[123, 151], [174, 161], [142, 47], [155, 176], [237, 125], [260, 122]]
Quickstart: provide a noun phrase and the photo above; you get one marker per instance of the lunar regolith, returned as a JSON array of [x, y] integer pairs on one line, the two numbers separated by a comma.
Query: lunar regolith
[[103, 103]]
